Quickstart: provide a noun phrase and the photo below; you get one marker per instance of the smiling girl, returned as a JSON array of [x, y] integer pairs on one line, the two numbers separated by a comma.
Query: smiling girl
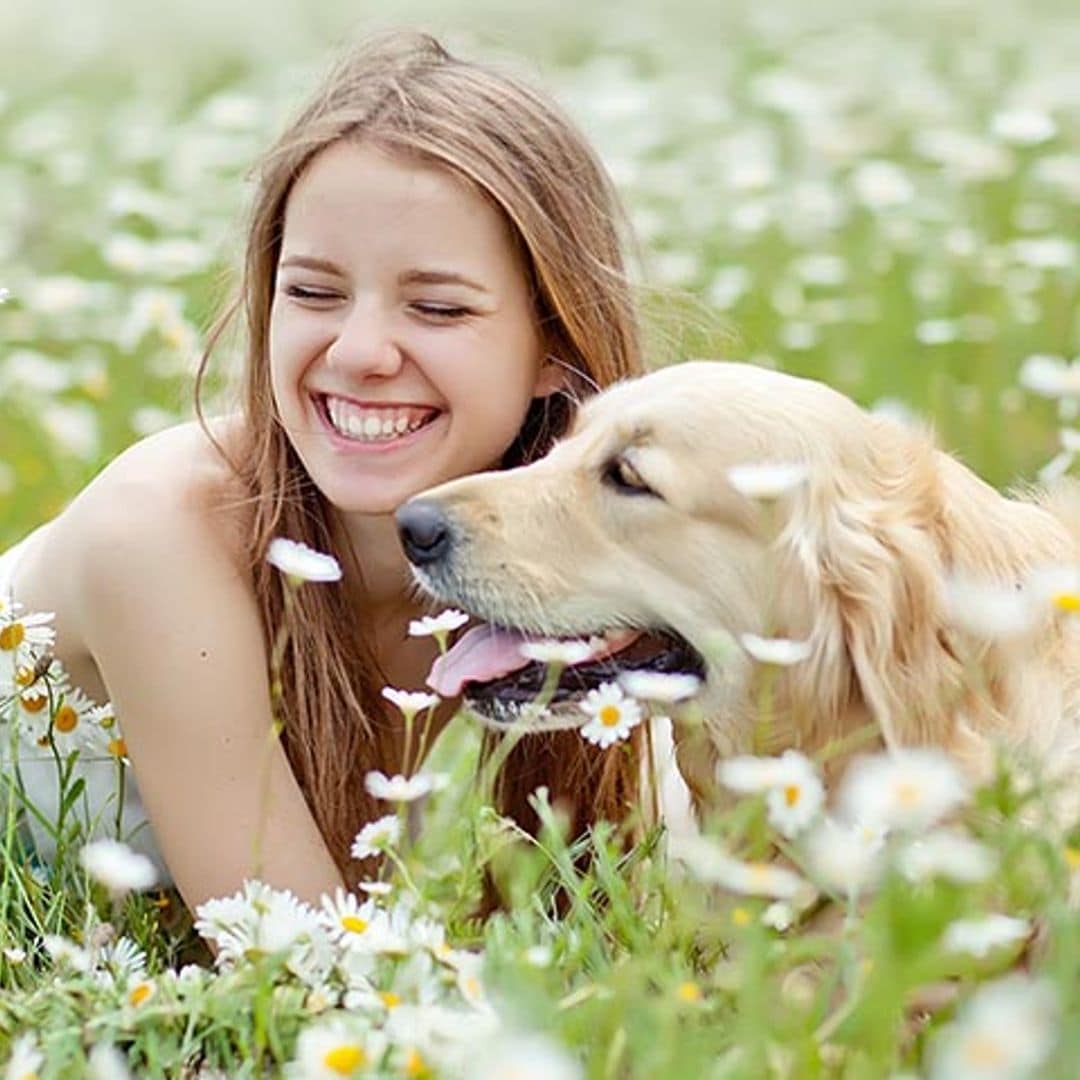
[[432, 274]]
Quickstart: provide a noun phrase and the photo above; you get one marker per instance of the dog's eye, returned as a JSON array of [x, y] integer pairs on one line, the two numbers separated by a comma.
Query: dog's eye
[[624, 478]]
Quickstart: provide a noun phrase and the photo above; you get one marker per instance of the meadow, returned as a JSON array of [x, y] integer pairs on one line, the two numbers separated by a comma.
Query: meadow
[[886, 197]]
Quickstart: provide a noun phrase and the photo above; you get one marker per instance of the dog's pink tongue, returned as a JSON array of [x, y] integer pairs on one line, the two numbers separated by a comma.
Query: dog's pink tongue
[[479, 655]]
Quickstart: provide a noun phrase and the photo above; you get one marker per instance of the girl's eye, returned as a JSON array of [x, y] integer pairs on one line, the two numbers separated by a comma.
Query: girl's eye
[[299, 292], [441, 311]]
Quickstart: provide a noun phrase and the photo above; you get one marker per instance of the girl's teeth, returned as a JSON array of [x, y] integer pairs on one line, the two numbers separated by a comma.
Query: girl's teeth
[[371, 425]]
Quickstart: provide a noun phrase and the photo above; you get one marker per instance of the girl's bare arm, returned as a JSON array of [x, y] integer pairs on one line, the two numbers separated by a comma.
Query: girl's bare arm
[[174, 629]]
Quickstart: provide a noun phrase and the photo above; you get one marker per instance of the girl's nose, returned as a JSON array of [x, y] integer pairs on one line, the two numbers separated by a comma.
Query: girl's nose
[[365, 344]]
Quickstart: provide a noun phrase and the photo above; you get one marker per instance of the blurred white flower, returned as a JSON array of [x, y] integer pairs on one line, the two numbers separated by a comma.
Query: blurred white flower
[[117, 867], [400, 788], [1050, 376], [435, 625], [908, 789], [523, 1057], [410, 702], [377, 836], [946, 853], [1005, 1031], [557, 652], [106, 1062], [981, 936], [792, 787], [302, 563], [612, 715], [848, 858], [659, 685], [989, 610], [767, 481], [66, 952], [26, 1059], [5, 294], [1045, 252], [779, 915], [1023, 127], [782, 652], [73, 427], [881, 185], [710, 863], [336, 1049]]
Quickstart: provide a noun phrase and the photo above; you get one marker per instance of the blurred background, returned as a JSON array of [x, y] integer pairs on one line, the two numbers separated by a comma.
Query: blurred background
[[886, 196]]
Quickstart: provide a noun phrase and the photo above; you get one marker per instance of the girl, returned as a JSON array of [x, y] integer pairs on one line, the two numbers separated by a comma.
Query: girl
[[432, 274]]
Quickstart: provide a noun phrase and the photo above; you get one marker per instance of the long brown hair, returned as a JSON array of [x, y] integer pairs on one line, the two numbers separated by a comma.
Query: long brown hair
[[408, 95]]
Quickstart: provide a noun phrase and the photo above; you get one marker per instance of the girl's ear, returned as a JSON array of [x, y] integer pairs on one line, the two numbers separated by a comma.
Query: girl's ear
[[550, 379]]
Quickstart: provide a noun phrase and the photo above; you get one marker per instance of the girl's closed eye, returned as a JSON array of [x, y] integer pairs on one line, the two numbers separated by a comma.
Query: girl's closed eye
[[301, 292], [443, 312]]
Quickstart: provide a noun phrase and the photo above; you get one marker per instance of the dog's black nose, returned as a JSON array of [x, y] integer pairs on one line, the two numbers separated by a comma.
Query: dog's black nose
[[424, 531]]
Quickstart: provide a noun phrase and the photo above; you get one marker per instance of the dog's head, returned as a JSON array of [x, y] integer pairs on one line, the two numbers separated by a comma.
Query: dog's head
[[632, 523]]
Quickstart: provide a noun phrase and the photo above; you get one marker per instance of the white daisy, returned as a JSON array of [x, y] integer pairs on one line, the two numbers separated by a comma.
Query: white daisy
[[336, 1049], [1023, 127], [122, 959], [26, 1059], [1005, 1031], [106, 1062], [556, 652], [435, 625], [793, 790], [767, 481], [612, 715], [524, 1057], [300, 563], [400, 788], [117, 867], [410, 702], [779, 915], [845, 858], [363, 926], [982, 936], [783, 652], [904, 790], [66, 952], [375, 837], [15, 955], [659, 685], [946, 853], [710, 863], [1050, 376]]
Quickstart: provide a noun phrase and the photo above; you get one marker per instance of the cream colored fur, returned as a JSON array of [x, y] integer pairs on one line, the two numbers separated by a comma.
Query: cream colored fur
[[854, 562]]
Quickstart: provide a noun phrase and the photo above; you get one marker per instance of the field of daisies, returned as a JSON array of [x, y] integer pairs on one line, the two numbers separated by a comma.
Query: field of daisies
[[884, 196]]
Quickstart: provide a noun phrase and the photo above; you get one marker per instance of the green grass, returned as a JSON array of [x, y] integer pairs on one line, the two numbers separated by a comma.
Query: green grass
[[742, 142]]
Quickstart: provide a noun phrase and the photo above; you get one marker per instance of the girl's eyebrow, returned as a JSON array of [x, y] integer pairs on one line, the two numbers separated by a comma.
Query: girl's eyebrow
[[409, 277]]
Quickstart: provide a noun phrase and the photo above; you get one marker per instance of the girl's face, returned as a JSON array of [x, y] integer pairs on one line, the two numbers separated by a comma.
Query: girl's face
[[403, 343]]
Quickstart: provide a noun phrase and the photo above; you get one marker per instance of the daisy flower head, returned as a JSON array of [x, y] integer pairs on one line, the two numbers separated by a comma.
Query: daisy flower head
[[556, 652], [843, 857], [375, 837], [363, 926], [438, 626], [904, 790], [410, 702], [335, 1050], [781, 652], [949, 854], [400, 788], [662, 686], [65, 952], [300, 563], [117, 867], [795, 801], [711, 864], [107, 1062], [26, 1059], [1006, 1030], [979, 937], [1050, 376], [767, 481], [612, 715]]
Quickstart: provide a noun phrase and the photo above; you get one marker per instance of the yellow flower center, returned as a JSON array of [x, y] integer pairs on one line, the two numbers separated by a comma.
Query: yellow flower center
[[414, 1064], [791, 794], [1072, 858], [12, 636], [740, 917], [34, 703], [118, 748], [471, 986], [907, 794], [689, 992], [24, 676], [142, 992], [344, 1059], [354, 924], [67, 719], [1067, 601], [983, 1051], [390, 999], [610, 715]]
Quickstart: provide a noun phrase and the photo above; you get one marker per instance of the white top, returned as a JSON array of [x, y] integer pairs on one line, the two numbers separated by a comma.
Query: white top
[[96, 808]]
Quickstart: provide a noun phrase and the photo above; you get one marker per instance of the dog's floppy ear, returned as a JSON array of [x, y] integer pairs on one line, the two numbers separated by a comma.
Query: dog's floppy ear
[[864, 544]]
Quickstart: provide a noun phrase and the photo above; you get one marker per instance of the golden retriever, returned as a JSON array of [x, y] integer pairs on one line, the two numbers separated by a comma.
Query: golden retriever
[[920, 593]]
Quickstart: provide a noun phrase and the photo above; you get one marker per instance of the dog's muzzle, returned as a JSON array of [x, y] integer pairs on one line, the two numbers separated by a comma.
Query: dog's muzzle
[[424, 531]]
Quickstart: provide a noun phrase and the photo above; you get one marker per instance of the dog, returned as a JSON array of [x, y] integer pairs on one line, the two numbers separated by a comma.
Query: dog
[[633, 535]]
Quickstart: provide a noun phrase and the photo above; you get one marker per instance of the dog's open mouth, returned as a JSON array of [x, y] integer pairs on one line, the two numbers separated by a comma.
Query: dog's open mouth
[[488, 667]]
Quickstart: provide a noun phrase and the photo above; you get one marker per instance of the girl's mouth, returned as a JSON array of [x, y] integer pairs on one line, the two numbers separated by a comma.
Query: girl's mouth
[[373, 425]]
